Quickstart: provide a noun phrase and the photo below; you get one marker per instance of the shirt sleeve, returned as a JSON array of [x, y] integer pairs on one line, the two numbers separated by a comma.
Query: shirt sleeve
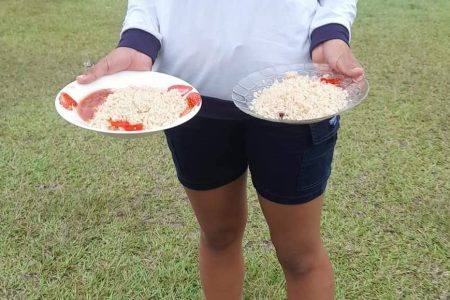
[[140, 29], [333, 20]]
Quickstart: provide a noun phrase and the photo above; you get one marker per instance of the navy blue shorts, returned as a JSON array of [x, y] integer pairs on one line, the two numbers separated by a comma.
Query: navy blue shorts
[[289, 164]]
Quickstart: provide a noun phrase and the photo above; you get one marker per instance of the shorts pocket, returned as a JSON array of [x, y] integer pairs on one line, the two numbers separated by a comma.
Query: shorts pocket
[[315, 168], [324, 130]]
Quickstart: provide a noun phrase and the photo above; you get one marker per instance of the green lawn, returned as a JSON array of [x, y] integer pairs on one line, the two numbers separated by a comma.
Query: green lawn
[[84, 216]]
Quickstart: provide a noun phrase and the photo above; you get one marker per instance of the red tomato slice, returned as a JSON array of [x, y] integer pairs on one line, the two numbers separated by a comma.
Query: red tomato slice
[[125, 125], [334, 81], [89, 104], [193, 99], [66, 101], [134, 127], [118, 123], [183, 89], [185, 111]]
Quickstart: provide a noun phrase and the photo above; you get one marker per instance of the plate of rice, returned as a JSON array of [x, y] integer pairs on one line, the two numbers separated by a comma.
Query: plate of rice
[[298, 94], [129, 103]]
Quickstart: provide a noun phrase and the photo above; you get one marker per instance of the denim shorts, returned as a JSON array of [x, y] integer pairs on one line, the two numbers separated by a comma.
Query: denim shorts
[[289, 164]]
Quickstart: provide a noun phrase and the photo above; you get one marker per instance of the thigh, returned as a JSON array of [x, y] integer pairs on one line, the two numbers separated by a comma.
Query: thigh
[[208, 153], [221, 212], [294, 229]]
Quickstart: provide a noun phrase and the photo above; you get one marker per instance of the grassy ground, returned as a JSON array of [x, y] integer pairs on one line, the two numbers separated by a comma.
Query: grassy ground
[[88, 217]]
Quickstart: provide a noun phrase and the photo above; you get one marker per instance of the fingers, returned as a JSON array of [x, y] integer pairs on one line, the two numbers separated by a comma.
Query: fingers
[[98, 70], [119, 59], [348, 65], [338, 55], [357, 74]]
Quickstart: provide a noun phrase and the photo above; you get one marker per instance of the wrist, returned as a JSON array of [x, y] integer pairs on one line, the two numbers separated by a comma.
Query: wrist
[[329, 32], [140, 41]]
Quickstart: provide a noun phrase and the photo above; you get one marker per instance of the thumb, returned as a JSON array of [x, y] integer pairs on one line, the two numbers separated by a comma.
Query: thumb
[[98, 70], [348, 65]]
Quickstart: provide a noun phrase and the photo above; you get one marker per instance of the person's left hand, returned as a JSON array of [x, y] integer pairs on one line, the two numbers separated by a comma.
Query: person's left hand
[[338, 55]]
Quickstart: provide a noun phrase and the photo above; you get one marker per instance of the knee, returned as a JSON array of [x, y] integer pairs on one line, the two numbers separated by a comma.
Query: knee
[[222, 238], [300, 262]]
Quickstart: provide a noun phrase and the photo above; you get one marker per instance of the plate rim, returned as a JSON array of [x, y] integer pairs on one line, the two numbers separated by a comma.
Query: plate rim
[[325, 68], [62, 112]]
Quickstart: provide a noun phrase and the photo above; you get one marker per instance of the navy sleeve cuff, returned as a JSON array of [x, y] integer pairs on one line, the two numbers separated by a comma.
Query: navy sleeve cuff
[[141, 41], [328, 32]]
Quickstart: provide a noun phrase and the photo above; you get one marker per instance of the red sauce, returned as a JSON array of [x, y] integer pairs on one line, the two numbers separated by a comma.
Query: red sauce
[[89, 104]]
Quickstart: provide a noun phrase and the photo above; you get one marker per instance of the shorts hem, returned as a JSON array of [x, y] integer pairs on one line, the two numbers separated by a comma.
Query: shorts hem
[[209, 185], [293, 200]]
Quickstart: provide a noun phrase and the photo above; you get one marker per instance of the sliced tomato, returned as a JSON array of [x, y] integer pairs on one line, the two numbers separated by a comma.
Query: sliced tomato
[[134, 127], [183, 89], [185, 111], [66, 101], [335, 81], [193, 99], [125, 125], [87, 107], [118, 123]]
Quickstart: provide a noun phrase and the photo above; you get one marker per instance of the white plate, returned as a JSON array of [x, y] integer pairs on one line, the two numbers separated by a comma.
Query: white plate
[[244, 91], [121, 80]]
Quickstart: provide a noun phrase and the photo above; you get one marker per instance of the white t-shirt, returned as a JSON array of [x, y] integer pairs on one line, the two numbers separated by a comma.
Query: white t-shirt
[[212, 44]]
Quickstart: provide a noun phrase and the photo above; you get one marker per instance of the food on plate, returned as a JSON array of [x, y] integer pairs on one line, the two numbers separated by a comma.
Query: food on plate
[[192, 100], [90, 103], [137, 108], [300, 97], [133, 108], [331, 80], [66, 101], [183, 89], [125, 125]]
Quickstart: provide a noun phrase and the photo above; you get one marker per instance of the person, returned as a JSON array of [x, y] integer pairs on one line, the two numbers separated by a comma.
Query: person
[[212, 45]]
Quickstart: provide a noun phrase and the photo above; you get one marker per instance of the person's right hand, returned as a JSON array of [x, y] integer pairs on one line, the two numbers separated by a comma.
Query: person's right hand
[[120, 59]]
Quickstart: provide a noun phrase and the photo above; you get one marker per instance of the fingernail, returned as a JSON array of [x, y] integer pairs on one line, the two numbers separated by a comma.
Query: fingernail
[[81, 78], [359, 78]]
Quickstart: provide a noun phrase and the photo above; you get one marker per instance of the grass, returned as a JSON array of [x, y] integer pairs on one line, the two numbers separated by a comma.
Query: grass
[[84, 216]]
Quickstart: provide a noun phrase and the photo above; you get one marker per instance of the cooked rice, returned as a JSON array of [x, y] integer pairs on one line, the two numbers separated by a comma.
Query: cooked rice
[[147, 105], [299, 97]]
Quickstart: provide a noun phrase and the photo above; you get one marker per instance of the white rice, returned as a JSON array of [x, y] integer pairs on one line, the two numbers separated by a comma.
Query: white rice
[[299, 97], [147, 105]]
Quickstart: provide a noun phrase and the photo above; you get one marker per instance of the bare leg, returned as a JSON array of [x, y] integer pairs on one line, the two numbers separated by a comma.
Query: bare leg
[[295, 233], [222, 215]]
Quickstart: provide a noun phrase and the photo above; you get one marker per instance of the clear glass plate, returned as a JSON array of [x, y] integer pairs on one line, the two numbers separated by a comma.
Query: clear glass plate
[[244, 91], [121, 80]]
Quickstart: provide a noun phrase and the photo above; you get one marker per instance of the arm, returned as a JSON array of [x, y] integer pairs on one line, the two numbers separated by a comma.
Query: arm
[[138, 46], [140, 29], [333, 20]]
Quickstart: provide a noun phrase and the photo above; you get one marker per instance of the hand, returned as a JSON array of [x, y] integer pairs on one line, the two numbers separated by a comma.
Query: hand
[[120, 59], [338, 55]]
